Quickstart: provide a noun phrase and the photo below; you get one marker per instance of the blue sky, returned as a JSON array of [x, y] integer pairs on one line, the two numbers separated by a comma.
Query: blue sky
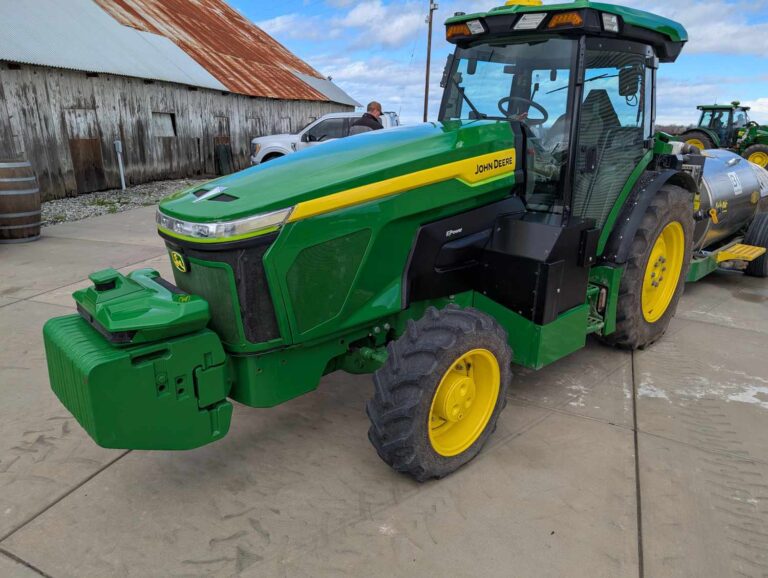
[[375, 49]]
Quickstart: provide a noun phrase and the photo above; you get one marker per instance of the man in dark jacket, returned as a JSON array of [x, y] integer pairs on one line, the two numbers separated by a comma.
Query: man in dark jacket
[[369, 121]]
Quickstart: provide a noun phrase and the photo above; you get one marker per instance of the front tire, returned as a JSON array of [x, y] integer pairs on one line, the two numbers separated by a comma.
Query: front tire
[[439, 394], [655, 272]]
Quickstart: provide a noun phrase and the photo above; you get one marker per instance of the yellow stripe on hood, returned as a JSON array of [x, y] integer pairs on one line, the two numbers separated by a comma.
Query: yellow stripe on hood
[[472, 171]]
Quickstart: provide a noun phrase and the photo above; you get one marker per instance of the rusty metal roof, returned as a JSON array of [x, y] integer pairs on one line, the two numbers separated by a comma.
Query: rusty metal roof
[[79, 35], [235, 51]]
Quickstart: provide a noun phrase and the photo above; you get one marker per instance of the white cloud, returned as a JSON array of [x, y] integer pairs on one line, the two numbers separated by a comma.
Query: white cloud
[[715, 26], [296, 26], [377, 23], [759, 110], [398, 86]]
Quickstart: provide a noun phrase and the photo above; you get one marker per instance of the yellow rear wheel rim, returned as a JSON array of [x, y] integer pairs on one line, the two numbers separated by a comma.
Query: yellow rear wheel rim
[[696, 142], [464, 402], [759, 158], [662, 274]]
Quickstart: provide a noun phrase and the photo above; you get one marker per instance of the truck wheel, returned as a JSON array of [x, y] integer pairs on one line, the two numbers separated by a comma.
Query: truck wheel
[[655, 272], [698, 139], [439, 394], [757, 154], [271, 156], [757, 235]]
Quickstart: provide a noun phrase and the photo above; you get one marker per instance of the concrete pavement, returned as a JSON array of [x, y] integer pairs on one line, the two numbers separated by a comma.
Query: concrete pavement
[[298, 491]]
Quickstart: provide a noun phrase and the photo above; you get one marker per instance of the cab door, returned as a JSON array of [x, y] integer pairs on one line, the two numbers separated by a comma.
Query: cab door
[[613, 124]]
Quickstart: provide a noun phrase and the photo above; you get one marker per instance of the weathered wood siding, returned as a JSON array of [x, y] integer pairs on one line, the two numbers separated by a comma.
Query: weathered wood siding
[[65, 122]]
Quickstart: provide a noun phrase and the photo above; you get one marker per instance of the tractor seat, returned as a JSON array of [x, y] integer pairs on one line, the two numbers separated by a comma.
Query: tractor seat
[[598, 117]]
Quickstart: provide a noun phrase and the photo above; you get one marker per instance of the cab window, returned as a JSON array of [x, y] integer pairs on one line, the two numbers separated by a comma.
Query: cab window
[[611, 127]]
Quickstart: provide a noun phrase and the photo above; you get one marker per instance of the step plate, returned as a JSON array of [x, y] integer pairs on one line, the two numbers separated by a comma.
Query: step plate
[[740, 252]]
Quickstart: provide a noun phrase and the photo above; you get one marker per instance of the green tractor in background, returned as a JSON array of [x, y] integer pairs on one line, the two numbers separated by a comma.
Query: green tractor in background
[[540, 209], [728, 126]]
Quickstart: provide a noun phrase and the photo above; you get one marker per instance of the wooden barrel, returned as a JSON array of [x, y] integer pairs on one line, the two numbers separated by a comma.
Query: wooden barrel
[[20, 215]]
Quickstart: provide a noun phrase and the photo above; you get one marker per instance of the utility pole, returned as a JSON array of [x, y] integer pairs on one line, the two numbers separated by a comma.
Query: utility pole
[[432, 8]]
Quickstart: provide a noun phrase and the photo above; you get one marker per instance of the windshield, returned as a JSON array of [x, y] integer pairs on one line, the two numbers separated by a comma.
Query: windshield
[[525, 82]]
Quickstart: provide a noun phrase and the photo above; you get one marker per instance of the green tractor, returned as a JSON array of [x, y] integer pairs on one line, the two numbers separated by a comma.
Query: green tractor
[[540, 209], [728, 126]]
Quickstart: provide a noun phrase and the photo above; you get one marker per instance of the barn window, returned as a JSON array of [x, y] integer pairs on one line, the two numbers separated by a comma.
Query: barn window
[[164, 124]]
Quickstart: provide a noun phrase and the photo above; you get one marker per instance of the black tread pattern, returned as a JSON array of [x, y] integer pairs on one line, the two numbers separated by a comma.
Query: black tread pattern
[[671, 203], [404, 387], [757, 235]]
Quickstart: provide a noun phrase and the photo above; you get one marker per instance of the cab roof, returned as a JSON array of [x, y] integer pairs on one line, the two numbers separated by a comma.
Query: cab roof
[[731, 106], [665, 35]]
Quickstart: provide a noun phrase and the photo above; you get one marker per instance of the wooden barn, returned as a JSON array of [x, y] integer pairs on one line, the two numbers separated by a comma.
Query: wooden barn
[[173, 88]]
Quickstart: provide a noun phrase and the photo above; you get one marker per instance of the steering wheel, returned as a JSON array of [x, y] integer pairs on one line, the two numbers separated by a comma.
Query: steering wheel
[[530, 121]]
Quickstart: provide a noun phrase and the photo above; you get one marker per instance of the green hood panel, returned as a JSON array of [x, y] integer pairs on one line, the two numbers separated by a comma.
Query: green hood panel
[[340, 165]]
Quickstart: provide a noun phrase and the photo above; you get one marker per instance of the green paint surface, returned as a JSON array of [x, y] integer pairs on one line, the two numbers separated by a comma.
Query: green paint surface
[[610, 278], [137, 303], [701, 267], [535, 346], [340, 165], [165, 396]]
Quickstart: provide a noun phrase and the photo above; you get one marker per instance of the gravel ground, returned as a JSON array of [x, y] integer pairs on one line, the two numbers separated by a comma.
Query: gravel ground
[[114, 201]]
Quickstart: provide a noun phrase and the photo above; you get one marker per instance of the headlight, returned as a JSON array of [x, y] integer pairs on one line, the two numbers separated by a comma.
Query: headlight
[[227, 230], [255, 148]]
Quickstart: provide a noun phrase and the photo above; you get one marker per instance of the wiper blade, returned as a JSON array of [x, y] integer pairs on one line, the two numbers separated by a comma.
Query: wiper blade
[[600, 77]]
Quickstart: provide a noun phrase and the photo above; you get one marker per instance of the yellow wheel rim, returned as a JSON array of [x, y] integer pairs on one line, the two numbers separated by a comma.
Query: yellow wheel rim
[[695, 142], [759, 158], [464, 402], [662, 274]]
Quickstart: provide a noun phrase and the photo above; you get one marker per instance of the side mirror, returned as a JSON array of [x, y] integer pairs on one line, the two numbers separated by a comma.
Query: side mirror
[[471, 66], [305, 137], [553, 75], [629, 82]]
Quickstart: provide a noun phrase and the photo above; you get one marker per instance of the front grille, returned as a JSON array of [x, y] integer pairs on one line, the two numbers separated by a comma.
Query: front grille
[[254, 305]]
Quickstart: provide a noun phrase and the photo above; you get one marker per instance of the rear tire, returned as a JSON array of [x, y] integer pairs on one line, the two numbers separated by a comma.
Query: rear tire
[[758, 154], [663, 238], [433, 356], [699, 139], [757, 235]]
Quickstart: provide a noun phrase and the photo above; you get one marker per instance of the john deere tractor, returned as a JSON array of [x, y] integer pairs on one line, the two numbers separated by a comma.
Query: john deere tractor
[[540, 209], [728, 126]]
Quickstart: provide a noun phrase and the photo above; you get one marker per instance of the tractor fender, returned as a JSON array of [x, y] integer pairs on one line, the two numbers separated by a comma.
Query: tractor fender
[[648, 185]]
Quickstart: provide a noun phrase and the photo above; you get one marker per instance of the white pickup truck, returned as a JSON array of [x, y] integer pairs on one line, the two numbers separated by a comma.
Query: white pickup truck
[[331, 126]]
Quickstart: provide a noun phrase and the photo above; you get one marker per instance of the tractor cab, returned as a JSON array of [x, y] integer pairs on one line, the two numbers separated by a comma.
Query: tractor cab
[[729, 127], [726, 123], [577, 80]]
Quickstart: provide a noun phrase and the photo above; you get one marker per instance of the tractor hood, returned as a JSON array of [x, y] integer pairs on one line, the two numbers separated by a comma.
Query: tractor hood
[[336, 167]]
